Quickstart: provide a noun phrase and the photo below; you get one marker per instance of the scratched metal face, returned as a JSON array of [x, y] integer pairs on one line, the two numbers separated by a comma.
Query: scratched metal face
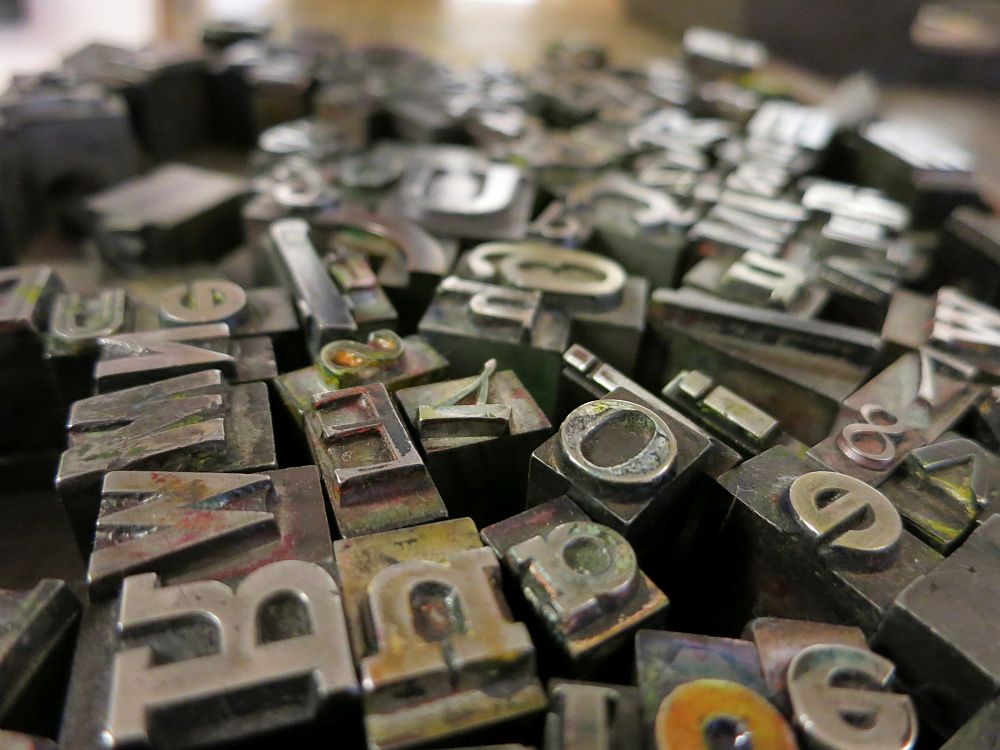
[[187, 526], [385, 358], [581, 579], [373, 474], [443, 657], [191, 422], [841, 562]]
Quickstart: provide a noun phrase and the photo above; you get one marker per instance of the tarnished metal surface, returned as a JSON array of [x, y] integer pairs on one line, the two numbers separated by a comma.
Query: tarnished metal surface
[[477, 435], [193, 421], [385, 358], [373, 474], [581, 579], [440, 625]]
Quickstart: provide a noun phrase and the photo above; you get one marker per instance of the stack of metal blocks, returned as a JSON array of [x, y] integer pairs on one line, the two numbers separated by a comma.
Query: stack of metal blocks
[[575, 408]]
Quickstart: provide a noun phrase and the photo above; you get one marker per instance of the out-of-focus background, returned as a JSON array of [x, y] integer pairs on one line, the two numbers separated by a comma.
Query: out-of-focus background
[[940, 59]]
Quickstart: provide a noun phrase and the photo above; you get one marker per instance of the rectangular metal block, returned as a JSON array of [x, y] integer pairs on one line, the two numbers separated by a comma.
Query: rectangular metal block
[[968, 254], [271, 642], [797, 370], [442, 658], [917, 167], [166, 91], [641, 227], [128, 360], [37, 633], [469, 322], [30, 404], [191, 422], [941, 632], [174, 215], [477, 435], [72, 135], [188, 526], [373, 474], [980, 732], [790, 558], [386, 358], [627, 464], [910, 403], [323, 309], [592, 716], [582, 581]]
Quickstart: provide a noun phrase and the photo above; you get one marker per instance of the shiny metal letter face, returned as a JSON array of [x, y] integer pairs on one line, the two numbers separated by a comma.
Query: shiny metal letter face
[[814, 544], [576, 574], [282, 631], [451, 419], [470, 322], [706, 714], [761, 280], [964, 325], [564, 277], [652, 456], [845, 515], [740, 423], [322, 308], [859, 714], [131, 359], [203, 301], [582, 580], [191, 421], [446, 658], [624, 462], [431, 189], [372, 471], [592, 716]]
